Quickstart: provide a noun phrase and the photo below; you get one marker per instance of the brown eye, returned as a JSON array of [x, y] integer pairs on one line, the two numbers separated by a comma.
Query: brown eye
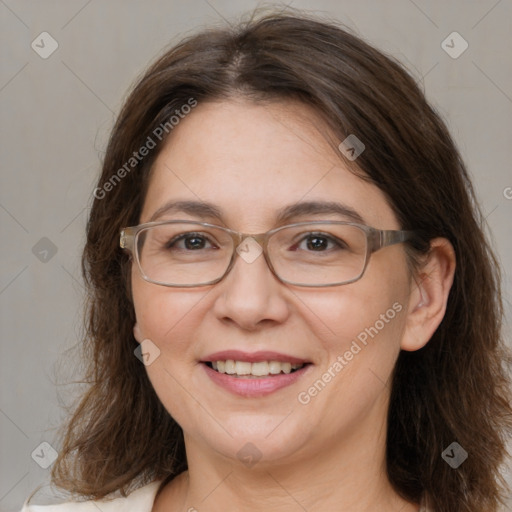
[[318, 242], [191, 242]]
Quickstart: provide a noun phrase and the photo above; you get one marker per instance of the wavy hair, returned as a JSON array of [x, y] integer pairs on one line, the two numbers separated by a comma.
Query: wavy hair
[[454, 389]]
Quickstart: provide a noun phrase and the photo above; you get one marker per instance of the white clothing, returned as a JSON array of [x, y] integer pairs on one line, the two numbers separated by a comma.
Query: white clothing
[[141, 500]]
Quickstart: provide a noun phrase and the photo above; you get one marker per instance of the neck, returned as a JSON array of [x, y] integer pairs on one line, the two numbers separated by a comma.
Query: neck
[[348, 476]]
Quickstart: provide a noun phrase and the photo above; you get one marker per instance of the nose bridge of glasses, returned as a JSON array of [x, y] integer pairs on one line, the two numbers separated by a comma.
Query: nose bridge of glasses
[[250, 247], [259, 238]]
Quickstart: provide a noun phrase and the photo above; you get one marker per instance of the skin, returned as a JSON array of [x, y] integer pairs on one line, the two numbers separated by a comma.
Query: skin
[[250, 160]]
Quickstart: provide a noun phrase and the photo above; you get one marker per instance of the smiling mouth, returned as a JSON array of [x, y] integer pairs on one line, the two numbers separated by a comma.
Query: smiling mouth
[[247, 370]]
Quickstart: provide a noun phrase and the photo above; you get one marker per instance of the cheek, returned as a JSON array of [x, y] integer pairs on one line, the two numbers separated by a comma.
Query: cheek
[[358, 331], [360, 325], [166, 316], [354, 312]]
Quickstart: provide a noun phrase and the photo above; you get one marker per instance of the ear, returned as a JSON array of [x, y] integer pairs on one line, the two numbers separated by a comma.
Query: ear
[[136, 333], [429, 295]]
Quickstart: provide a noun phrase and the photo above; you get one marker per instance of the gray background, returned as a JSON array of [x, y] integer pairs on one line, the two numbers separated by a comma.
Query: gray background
[[56, 116]]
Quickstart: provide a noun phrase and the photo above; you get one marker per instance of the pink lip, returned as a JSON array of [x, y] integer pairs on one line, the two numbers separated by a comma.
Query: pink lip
[[254, 357], [257, 387]]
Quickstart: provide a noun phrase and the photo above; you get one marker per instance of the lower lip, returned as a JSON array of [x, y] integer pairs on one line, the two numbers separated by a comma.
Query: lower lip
[[257, 387]]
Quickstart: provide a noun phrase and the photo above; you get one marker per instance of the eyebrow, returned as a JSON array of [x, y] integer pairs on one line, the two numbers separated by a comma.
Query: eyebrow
[[206, 210]]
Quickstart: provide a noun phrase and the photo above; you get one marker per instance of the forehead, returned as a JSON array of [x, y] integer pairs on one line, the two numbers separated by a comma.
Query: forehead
[[252, 160]]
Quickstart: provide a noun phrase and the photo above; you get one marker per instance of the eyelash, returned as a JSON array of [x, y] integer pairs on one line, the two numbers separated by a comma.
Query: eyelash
[[171, 243]]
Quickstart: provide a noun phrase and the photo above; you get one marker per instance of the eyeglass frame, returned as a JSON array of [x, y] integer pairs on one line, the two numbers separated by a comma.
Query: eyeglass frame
[[376, 239]]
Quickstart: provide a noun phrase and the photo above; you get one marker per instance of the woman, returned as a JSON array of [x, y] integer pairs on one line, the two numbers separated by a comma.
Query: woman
[[292, 303]]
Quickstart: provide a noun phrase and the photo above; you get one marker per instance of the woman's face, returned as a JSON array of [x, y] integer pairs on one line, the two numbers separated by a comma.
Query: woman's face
[[250, 162]]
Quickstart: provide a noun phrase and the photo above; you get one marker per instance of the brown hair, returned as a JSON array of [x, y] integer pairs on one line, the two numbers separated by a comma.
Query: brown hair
[[454, 389]]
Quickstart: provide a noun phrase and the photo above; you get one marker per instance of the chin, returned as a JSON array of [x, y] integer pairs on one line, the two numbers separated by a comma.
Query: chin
[[264, 439]]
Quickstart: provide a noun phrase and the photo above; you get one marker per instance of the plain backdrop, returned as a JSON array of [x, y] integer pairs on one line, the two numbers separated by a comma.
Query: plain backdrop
[[56, 115]]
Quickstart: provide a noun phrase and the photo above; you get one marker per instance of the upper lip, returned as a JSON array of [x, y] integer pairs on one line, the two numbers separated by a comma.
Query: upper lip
[[253, 357]]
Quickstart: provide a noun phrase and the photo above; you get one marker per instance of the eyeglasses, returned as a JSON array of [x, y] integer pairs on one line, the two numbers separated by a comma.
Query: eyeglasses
[[185, 254]]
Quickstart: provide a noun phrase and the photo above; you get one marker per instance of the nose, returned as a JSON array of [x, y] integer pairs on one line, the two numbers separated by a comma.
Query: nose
[[250, 296]]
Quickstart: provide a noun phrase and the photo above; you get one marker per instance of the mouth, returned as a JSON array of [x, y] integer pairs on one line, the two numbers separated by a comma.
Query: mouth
[[254, 374], [255, 370]]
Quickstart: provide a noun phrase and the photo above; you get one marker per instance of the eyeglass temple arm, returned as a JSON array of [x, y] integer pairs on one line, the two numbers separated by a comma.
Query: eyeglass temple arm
[[384, 238], [126, 239]]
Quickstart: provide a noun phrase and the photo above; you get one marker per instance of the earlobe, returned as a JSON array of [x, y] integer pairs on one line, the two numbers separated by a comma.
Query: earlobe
[[136, 333], [429, 295]]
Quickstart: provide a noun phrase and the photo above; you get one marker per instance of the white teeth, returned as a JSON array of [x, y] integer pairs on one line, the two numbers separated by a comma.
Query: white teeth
[[274, 367], [286, 367], [229, 367], [259, 369], [242, 368]]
